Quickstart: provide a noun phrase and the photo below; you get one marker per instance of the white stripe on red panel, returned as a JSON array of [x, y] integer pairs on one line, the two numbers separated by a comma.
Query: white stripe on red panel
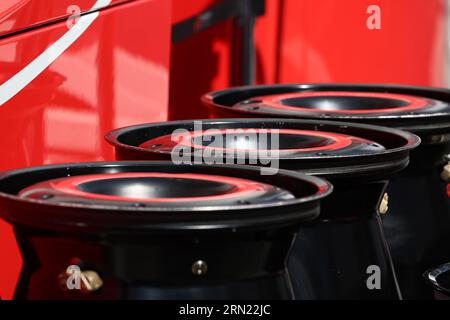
[[21, 79]]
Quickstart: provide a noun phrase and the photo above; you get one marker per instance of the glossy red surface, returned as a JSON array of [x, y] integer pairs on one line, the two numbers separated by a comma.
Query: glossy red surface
[[329, 41], [112, 75], [17, 15], [316, 42], [267, 41], [182, 9], [201, 63], [97, 84]]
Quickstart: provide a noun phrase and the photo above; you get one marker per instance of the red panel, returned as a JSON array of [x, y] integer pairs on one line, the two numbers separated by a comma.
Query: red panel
[[16, 15], [199, 64], [182, 9], [267, 39], [112, 76], [11, 261], [328, 41]]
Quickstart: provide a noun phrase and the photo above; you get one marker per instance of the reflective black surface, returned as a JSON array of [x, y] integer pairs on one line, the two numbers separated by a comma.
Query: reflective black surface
[[418, 224], [330, 103], [374, 150], [254, 142], [342, 260], [434, 116], [140, 266], [260, 142], [149, 252], [331, 256], [439, 279], [142, 188], [277, 287]]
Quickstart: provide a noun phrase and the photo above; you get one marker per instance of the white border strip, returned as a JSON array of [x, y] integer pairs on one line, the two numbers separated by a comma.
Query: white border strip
[[21, 79]]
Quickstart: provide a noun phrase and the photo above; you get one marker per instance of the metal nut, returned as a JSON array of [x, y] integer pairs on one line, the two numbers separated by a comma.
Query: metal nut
[[83, 281], [384, 205], [91, 281], [199, 268]]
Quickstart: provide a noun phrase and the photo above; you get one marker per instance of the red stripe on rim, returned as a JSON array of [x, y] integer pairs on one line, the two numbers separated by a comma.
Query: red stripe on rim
[[275, 101], [70, 186], [338, 141]]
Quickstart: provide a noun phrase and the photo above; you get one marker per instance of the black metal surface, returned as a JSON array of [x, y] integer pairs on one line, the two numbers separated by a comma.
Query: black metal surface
[[152, 266], [277, 287], [250, 10], [339, 103], [149, 191], [289, 144], [439, 279], [432, 120], [418, 223], [95, 216], [157, 187], [348, 219], [331, 258], [376, 163], [341, 269], [286, 141], [245, 246]]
